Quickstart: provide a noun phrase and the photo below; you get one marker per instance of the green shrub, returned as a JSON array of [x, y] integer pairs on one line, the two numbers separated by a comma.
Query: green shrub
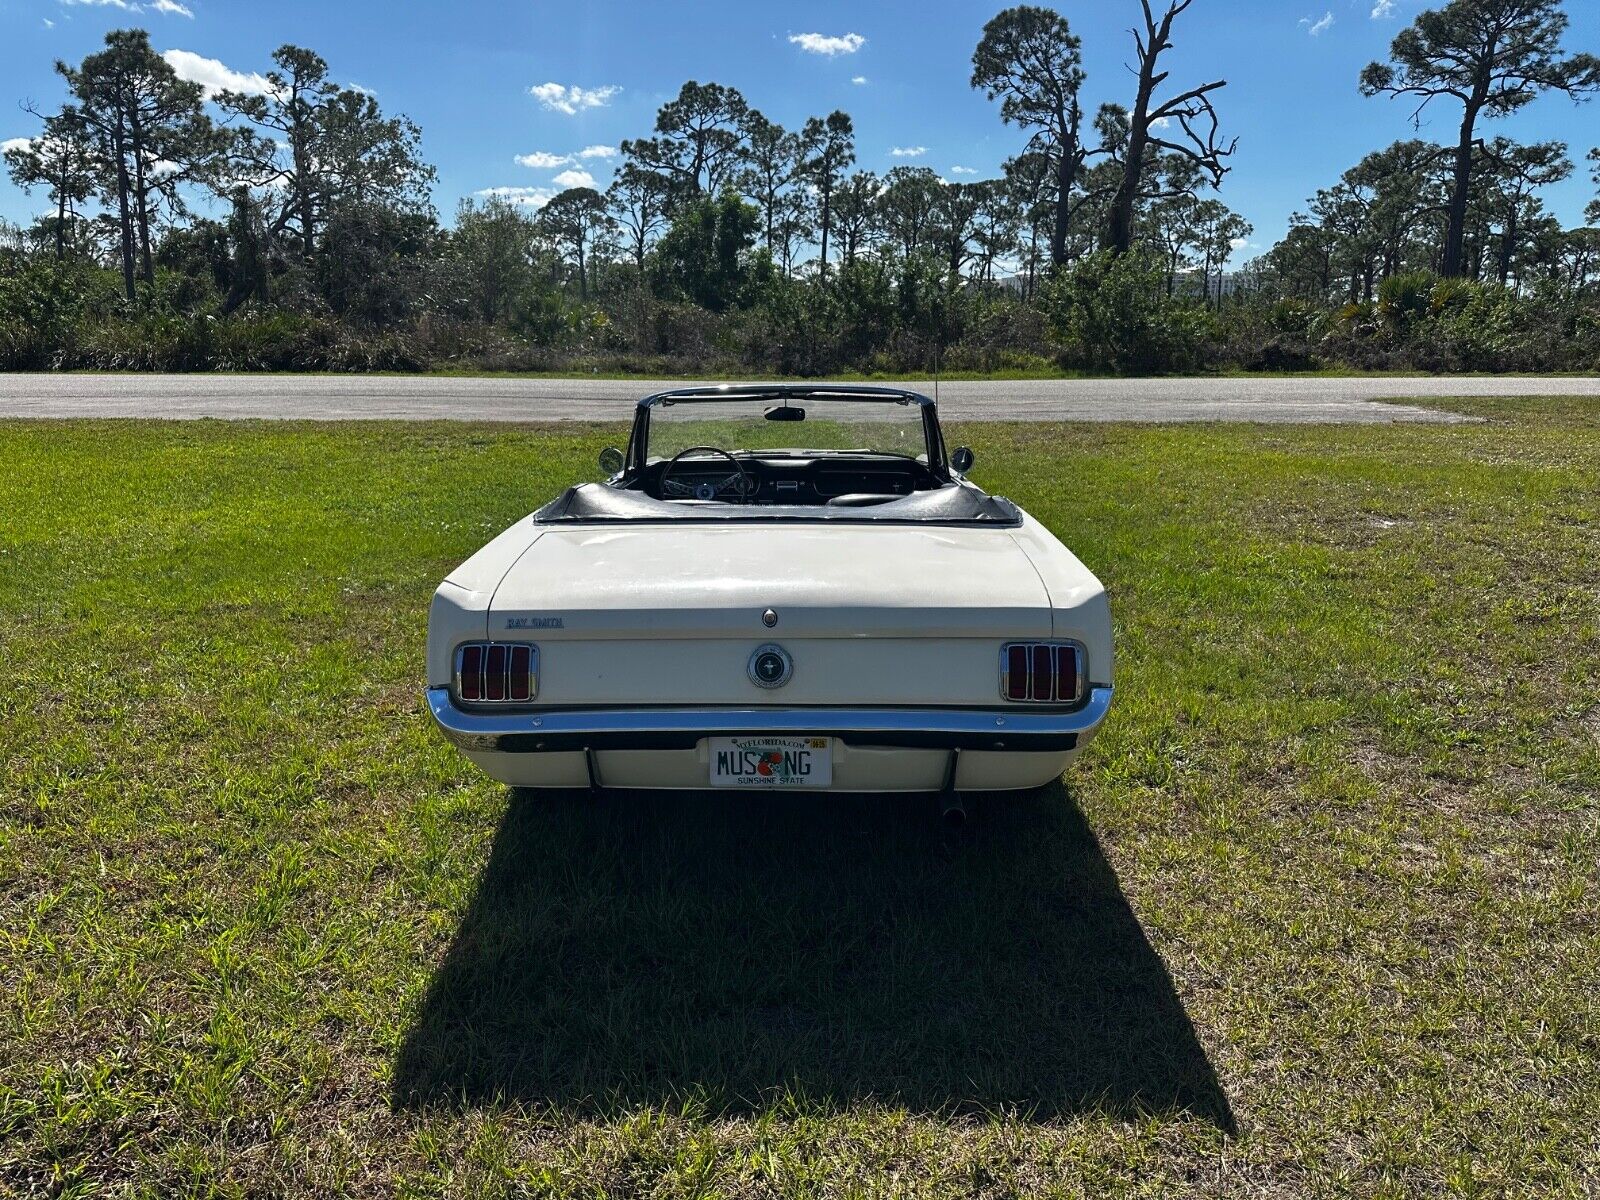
[[1113, 314], [151, 341], [1405, 299], [42, 304]]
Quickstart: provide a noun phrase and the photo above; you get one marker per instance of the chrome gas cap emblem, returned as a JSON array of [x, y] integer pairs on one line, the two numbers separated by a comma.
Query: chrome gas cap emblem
[[770, 666], [769, 618]]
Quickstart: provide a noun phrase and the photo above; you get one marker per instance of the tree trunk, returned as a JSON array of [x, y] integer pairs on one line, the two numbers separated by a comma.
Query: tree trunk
[[1063, 213], [826, 214], [1460, 191], [301, 155], [1120, 234], [124, 212], [1066, 179], [1508, 247], [141, 194], [141, 199]]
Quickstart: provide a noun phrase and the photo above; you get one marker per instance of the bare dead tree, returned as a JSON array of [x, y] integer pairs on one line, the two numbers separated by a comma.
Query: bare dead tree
[[1149, 121]]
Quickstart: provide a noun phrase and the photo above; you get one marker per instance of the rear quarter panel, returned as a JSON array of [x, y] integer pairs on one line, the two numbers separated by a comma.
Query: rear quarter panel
[[460, 608], [1079, 608]]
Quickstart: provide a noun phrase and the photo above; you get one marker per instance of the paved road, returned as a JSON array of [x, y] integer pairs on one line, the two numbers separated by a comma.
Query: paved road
[[331, 398]]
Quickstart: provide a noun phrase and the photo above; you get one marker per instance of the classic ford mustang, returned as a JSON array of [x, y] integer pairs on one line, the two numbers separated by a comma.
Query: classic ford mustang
[[777, 587]]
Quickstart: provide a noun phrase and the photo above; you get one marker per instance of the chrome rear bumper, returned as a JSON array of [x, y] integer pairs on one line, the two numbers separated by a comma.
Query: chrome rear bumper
[[531, 732]]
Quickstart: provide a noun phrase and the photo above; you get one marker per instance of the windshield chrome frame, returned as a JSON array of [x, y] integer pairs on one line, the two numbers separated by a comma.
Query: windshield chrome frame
[[933, 436]]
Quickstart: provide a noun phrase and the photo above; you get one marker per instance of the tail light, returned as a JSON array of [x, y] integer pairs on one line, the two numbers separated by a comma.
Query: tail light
[[496, 673], [1042, 672]]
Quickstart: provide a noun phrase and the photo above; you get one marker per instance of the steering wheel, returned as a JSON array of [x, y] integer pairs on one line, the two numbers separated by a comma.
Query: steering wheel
[[746, 484]]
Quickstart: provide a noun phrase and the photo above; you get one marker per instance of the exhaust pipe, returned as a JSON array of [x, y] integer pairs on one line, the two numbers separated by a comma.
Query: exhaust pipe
[[951, 810]]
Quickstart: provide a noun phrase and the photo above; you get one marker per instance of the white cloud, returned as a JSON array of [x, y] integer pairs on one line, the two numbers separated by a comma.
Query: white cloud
[[858, 80], [1383, 9], [962, 171], [1239, 243], [532, 197], [818, 43], [908, 151], [1161, 123], [558, 97], [598, 152], [171, 8], [576, 177], [543, 160], [48, 23], [213, 76], [15, 144], [1317, 28]]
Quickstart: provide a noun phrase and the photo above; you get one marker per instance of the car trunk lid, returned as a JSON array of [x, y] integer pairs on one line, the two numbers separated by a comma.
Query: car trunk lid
[[681, 581]]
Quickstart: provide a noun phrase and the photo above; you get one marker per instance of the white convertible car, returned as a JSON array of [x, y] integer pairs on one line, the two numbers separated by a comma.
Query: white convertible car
[[777, 587]]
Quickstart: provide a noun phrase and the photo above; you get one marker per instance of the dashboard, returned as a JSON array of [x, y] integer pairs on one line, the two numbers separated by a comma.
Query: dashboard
[[787, 480]]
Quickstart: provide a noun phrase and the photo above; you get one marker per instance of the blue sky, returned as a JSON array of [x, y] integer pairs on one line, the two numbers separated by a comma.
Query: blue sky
[[477, 75]]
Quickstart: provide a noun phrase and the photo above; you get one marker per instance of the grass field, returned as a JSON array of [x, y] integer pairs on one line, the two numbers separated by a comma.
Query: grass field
[[1318, 913]]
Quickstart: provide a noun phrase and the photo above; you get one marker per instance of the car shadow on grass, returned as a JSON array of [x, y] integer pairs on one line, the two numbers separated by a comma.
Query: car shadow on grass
[[643, 949]]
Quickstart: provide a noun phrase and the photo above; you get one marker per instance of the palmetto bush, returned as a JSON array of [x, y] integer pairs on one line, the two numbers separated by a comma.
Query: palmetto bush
[[146, 342], [1405, 299]]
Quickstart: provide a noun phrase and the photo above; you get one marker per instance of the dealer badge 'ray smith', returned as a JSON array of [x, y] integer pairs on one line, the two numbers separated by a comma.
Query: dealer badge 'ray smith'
[[935, 638]]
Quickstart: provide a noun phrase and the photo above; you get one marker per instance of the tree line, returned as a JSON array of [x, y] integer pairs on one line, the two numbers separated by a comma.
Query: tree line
[[726, 241]]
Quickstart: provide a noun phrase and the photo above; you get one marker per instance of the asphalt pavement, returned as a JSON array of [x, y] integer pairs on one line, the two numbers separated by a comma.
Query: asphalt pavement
[[419, 398]]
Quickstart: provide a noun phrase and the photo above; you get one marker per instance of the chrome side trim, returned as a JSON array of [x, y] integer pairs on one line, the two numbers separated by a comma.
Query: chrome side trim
[[681, 728]]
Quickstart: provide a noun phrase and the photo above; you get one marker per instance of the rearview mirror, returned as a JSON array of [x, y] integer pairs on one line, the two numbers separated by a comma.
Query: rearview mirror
[[611, 460], [961, 459], [783, 412]]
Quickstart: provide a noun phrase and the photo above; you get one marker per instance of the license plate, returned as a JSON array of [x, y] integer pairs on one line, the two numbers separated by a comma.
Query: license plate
[[771, 762]]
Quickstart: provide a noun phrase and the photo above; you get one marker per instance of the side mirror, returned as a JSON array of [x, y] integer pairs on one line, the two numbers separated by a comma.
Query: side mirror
[[611, 460], [961, 459]]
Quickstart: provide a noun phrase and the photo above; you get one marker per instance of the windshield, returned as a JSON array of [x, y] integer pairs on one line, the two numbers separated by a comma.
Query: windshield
[[803, 424]]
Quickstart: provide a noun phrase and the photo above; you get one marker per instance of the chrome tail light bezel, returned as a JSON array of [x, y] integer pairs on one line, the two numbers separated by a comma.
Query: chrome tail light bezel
[[510, 674], [1079, 681]]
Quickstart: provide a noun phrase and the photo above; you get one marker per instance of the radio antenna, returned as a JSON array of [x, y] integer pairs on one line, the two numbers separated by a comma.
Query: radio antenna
[[937, 346]]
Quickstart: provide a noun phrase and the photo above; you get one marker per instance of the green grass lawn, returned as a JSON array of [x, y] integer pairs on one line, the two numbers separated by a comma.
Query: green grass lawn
[[1316, 914]]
